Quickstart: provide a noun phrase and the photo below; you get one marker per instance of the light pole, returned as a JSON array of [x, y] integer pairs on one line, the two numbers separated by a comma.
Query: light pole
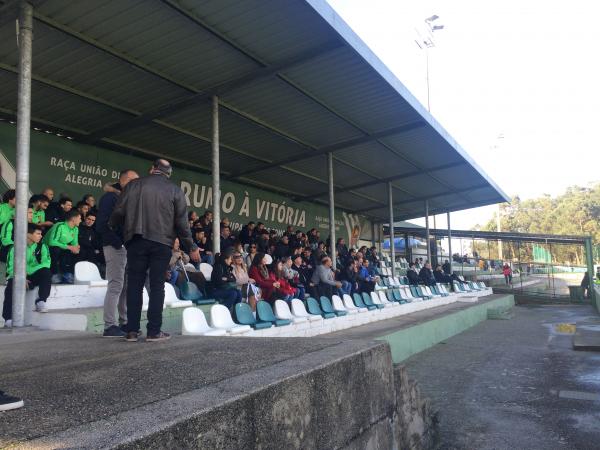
[[425, 41]]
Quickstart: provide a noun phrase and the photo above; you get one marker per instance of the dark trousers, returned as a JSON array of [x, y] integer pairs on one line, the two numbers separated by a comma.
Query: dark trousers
[[63, 261], [228, 297], [367, 286], [144, 255], [41, 278]]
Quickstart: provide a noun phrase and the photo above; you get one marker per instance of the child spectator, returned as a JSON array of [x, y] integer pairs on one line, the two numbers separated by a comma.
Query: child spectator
[[63, 241], [37, 260]]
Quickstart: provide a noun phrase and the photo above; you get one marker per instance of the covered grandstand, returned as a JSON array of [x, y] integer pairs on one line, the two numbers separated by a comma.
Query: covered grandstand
[[279, 96]]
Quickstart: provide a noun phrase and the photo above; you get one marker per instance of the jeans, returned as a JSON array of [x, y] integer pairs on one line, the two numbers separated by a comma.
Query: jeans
[[301, 293], [345, 289], [144, 255], [116, 291], [41, 278], [63, 261], [228, 297]]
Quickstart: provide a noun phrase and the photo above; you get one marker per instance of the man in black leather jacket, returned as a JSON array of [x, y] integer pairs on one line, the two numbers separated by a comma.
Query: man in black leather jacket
[[151, 212]]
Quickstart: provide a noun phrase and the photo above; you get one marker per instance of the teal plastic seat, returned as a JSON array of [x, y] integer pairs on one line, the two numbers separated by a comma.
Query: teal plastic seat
[[358, 301], [189, 291], [327, 307], [313, 307], [264, 313], [390, 295], [413, 291], [422, 294], [369, 301], [244, 316], [398, 296], [386, 282]]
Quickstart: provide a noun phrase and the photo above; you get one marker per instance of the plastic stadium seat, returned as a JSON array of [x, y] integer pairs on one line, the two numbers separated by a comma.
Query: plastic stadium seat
[[88, 273], [421, 293], [327, 307], [244, 316], [314, 308], [206, 270], [384, 300], [282, 312], [358, 301], [264, 312], [170, 294], [390, 296], [338, 305], [350, 306], [221, 319], [369, 301], [193, 323], [299, 310], [398, 296]]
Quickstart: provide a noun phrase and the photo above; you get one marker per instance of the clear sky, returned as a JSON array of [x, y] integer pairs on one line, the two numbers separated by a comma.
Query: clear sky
[[516, 83]]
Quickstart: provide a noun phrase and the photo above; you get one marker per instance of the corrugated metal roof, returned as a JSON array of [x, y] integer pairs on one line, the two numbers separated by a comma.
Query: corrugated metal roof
[[294, 81]]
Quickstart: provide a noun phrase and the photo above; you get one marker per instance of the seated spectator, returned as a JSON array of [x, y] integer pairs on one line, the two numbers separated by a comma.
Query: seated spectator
[[373, 257], [175, 273], [59, 214], [245, 284], [227, 239], [447, 268], [318, 254], [37, 261], [252, 250], [206, 255], [440, 276], [263, 243], [304, 275], [292, 276], [426, 275], [266, 280], [366, 279], [350, 274], [282, 248], [7, 208], [89, 241], [7, 236], [63, 242], [247, 235], [285, 291], [49, 193], [223, 280], [412, 275], [324, 280], [192, 218], [83, 209], [89, 200]]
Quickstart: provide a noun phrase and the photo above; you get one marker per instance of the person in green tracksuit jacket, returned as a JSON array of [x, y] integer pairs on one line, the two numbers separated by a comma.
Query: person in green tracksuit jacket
[[63, 241], [37, 262], [7, 236], [7, 207]]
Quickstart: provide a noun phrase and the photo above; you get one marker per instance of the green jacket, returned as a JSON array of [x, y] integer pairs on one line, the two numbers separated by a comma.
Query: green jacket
[[61, 235], [37, 257], [7, 213], [6, 233], [38, 216]]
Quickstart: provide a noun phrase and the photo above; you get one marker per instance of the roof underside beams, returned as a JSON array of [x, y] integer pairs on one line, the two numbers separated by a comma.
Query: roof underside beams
[[140, 73]]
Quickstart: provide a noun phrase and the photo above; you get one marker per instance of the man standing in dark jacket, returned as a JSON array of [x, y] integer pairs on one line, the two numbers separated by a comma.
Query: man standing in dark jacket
[[115, 256], [152, 212]]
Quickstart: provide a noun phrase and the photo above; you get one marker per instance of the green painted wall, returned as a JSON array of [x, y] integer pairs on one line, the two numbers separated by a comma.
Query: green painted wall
[[412, 340], [78, 169]]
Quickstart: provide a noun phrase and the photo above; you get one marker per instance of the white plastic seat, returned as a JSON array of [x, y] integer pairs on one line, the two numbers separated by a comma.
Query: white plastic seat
[[375, 298], [405, 294], [282, 311], [88, 273], [170, 294], [349, 304], [221, 319], [384, 300], [206, 270], [429, 292], [338, 305], [299, 310], [193, 323]]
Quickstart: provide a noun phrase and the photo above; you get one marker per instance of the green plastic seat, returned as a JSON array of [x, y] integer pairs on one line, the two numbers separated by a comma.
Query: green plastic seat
[[189, 291], [358, 301], [422, 294], [398, 296], [264, 312], [413, 291], [369, 301], [313, 307], [327, 307], [390, 295], [244, 316]]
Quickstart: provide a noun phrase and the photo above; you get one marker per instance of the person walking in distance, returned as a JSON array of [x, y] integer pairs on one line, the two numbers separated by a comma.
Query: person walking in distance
[[116, 259], [152, 212]]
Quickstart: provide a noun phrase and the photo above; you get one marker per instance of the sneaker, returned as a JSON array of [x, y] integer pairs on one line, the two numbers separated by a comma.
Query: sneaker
[[160, 336], [56, 278], [68, 278], [8, 402], [41, 307], [8, 323], [131, 336], [113, 331]]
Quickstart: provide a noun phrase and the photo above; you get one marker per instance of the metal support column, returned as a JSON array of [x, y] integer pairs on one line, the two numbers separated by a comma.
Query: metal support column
[[589, 258], [22, 176], [216, 178], [381, 238], [392, 246], [449, 241], [331, 210], [427, 237]]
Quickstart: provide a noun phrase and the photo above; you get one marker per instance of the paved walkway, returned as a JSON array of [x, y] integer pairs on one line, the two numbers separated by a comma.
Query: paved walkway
[[515, 384]]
